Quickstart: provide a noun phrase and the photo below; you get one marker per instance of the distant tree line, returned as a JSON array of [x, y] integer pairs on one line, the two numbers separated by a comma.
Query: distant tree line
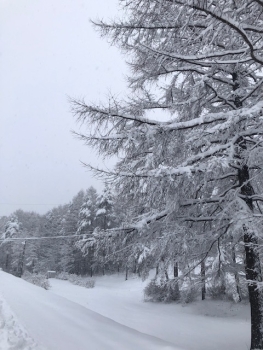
[[87, 211], [86, 238]]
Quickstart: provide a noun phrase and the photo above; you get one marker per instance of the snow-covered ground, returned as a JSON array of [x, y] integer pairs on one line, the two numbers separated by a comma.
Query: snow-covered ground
[[113, 316], [12, 333], [208, 325]]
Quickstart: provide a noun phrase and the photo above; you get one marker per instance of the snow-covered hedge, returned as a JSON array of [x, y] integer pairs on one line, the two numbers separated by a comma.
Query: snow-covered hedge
[[63, 276], [161, 291], [37, 279], [77, 280]]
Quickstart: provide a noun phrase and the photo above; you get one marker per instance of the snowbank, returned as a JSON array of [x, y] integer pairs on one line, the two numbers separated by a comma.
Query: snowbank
[[12, 333]]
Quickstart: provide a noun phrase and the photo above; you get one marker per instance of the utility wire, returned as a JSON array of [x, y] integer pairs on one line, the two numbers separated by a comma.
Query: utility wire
[[41, 238]]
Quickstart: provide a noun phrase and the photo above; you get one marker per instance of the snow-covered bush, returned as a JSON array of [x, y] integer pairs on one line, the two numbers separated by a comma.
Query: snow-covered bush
[[228, 291], [82, 281], [63, 276], [161, 291], [37, 279], [154, 292], [190, 294], [77, 280]]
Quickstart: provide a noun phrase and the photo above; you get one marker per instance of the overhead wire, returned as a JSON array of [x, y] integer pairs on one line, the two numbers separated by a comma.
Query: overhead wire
[[10, 239]]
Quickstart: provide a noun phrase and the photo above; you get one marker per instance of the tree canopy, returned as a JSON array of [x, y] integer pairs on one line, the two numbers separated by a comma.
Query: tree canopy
[[190, 183]]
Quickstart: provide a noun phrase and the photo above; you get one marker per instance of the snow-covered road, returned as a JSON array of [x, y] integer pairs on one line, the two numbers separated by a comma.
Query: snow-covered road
[[60, 324], [113, 316]]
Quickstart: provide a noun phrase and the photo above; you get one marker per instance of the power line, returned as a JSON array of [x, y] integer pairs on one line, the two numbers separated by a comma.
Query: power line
[[11, 239], [89, 233], [29, 204]]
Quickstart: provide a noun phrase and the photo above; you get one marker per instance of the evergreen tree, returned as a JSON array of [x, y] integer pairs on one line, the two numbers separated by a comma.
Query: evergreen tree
[[105, 216], [200, 61], [86, 225], [12, 229]]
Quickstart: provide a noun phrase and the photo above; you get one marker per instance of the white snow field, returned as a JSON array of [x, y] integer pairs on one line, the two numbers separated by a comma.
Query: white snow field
[[56, 323], [113, 315]]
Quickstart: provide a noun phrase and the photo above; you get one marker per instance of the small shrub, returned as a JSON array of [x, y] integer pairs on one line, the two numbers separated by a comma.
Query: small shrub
[[63, 276], [173, 292], [154, 291], [189, 294], [77, 280], [161, 291], [228, 292], [216, 292], [82, 281], [37, 279]]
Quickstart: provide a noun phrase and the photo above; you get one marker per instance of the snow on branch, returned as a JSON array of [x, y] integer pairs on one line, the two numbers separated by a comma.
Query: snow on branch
[[209, 118]]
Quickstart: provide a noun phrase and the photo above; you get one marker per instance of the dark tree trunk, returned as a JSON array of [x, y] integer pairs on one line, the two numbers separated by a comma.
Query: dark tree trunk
[[203, 279], [126, 274], [252, 260], [135, 267], [176, 271], [236, 275], [166, 275], [253, 275], [176, 286], [21, 265], [7, 263]]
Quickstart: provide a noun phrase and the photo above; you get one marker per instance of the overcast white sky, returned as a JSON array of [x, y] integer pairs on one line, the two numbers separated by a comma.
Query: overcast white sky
[[48, 51]]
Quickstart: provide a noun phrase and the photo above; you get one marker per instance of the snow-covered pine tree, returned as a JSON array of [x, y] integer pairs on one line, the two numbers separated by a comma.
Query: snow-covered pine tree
[[49, 248], [201, 61], [87, 213], [30, 249], [105, 220], [66, 248], [105, 216], [85, 226], [69, 226], [11, 256], [11, 228]]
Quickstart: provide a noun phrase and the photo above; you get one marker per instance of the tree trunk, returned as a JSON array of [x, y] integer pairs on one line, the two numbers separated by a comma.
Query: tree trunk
[[7, 263], [135, 267], [166, 275], [236, 275], [176, 272], [253, 275], [176, 287], [203, 279], [252, 260], [21, 265]]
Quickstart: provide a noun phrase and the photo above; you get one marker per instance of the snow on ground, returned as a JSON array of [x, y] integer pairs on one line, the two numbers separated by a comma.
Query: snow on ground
[[57, 323], [204, 325], [12, 334]]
